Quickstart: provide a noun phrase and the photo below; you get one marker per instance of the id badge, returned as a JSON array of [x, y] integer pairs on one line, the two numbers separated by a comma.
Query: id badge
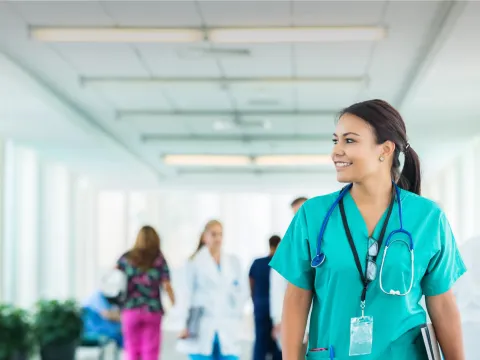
[[361, 336]]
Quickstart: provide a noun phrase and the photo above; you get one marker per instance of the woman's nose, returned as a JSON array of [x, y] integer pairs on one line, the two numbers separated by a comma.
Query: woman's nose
[[338, 149]]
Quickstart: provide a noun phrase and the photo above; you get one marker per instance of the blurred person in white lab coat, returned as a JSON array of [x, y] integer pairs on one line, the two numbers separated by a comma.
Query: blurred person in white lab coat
[[215, 298], [467, 293], [278, 286]]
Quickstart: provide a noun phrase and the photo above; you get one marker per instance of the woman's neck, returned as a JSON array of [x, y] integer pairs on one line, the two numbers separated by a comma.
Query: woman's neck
[[215, 252], [375, 191]]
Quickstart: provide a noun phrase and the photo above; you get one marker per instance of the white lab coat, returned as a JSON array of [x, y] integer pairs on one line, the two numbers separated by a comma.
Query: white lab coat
[[222, 293], [467, 292], [278, 286]]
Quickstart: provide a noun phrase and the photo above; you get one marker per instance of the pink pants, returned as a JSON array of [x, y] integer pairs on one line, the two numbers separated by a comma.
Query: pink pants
[[141, 334]]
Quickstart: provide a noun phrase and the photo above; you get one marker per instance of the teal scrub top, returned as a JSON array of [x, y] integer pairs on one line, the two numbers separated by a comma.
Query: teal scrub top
[[336, 284]]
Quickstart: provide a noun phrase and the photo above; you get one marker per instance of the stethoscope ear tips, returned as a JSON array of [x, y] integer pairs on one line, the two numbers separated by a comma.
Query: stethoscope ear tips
[[318, 260]]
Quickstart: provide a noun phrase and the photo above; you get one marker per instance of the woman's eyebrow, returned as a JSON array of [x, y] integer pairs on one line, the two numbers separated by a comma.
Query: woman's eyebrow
[[347, 134]]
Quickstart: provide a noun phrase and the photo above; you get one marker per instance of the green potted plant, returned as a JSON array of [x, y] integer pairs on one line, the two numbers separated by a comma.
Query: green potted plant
[[16, 334], [58, 328]]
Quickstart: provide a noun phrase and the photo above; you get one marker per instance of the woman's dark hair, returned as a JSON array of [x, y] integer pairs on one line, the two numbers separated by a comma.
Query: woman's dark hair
[[201, 244], [388, 124]]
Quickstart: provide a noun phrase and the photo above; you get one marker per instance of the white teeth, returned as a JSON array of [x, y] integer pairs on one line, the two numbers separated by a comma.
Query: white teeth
[[343, 164]]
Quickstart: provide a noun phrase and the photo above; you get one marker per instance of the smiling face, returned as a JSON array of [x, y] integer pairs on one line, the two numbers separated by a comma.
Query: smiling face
[[356, 154]]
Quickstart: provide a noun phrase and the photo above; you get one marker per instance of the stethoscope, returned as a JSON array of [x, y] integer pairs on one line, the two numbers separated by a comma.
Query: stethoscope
[[320, 257]]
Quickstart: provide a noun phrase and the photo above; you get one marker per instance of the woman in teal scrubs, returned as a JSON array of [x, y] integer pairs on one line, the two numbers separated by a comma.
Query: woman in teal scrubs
[[354, 316]]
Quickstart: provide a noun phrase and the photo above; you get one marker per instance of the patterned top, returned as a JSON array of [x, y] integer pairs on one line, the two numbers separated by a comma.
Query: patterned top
[[143, 288]]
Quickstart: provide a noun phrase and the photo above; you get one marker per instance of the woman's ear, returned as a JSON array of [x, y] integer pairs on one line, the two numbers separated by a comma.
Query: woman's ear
[[388, 148]]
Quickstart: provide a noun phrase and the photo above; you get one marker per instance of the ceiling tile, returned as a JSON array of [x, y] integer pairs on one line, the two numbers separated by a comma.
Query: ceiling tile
[[153, 13], [332, 60], [328, 96], [109, 59], [337, 13], [280, 125], [198, 96], [246, 13], [261, 96], [319, 124], [264, 61], [179, 60], [157, 125], [140, 96], [63, 13], [408, 23]]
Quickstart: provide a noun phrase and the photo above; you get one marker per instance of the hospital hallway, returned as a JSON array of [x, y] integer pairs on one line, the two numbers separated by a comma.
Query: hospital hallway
[[170, 163]]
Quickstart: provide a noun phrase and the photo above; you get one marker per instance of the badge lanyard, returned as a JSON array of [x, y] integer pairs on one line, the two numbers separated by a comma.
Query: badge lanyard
[[361, 329]]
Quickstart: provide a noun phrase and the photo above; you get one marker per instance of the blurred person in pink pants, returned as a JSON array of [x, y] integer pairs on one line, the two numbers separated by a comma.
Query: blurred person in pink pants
[[147, 271]]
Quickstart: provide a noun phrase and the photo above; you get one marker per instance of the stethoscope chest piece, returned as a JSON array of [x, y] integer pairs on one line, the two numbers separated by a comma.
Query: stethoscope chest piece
[[318, 260]]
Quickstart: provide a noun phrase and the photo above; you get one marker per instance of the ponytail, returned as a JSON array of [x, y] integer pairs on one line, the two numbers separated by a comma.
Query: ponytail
[[410, 178]]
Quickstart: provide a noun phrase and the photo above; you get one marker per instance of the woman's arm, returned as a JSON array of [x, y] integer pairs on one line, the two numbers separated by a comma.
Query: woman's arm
[[446, 321], [112, 315], [296, 306], [167, 285], [187, 296]]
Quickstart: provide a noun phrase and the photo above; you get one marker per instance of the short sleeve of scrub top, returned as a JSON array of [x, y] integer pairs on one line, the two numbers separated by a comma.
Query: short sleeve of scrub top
[[292, 258], [446, 266]]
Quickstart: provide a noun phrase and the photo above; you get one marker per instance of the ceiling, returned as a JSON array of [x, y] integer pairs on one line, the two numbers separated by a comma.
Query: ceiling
[[114, 110]]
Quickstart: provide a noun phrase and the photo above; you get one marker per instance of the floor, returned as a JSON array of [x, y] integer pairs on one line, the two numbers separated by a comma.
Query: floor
[[168, 351]]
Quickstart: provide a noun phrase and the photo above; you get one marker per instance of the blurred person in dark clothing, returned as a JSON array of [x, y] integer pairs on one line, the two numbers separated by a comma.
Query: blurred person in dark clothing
[[259, 276]]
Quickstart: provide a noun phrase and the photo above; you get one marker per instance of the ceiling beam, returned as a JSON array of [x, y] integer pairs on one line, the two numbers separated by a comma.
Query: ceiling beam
[[228, 138], [288, 80], [125, 114]]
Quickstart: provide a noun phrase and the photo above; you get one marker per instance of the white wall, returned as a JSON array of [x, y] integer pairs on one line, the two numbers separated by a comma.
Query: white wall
[[2, 186], [46, 218]]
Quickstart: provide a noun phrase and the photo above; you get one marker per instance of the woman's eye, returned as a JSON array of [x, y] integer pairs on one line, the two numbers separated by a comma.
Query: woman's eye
[[349, 141], [335, 141]]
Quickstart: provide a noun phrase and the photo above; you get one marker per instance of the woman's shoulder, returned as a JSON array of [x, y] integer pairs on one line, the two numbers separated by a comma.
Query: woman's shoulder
[[418, 204], [124, 257], [319, 204], [160, 260]]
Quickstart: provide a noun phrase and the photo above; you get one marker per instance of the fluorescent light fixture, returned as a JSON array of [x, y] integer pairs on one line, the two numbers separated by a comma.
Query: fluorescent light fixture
[[219, 35], [117, 35], [297, 35], [293, 160], [207, 160]]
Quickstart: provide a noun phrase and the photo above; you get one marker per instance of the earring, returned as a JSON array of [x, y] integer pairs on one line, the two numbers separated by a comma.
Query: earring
[[381, 158]]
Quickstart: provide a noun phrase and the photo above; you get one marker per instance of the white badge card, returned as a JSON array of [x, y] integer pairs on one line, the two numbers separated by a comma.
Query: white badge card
[[361, 336]]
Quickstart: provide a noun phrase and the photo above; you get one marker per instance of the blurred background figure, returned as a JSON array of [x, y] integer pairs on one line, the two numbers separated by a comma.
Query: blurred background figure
[[215, 287], [278, 285], [297, 204], [101, 317], [147, 271], [265, 345]]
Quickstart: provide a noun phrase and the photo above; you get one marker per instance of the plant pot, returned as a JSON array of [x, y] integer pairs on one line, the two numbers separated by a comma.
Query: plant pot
[[59, 352]]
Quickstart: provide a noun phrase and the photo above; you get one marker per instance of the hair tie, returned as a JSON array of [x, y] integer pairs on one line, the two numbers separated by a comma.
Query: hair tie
[[407, 146]]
